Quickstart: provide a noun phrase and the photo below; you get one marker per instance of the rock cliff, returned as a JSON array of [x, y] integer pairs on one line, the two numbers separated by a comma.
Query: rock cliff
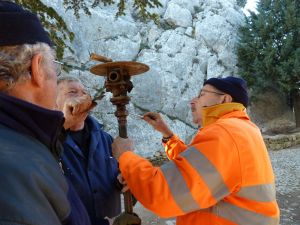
[[195, 40]]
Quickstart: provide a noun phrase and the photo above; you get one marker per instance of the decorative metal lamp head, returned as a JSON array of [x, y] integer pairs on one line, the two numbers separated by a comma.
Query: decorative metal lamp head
[[118, 75]]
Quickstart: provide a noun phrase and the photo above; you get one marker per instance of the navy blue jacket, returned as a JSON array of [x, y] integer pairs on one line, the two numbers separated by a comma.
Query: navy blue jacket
[[33, 188], [94, 177]]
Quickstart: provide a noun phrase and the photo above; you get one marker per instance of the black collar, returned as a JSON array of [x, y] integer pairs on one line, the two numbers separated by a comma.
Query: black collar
[[29, 119]]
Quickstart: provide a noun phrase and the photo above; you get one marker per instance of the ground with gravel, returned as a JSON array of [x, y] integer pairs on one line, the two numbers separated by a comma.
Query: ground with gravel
[[286, 164]]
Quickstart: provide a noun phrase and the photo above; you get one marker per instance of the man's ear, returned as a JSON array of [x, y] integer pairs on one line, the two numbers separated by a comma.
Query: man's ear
[[227, 98], [37, 71]]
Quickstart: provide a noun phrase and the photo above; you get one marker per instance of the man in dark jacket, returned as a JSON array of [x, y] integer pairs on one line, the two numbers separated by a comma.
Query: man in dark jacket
[[87, 159], [33, 188]]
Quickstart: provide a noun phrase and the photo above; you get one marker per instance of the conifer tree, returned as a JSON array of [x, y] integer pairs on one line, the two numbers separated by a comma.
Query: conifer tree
[[269, 50]]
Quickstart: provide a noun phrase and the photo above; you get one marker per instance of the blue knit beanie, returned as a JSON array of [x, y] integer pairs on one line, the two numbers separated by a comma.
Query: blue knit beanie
[[235, 87], [19, 26]]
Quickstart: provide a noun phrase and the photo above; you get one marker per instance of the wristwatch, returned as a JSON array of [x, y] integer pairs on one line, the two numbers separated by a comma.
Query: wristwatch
[[166, 139]]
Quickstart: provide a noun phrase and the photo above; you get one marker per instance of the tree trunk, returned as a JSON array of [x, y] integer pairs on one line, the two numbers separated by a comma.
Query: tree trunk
[[296, 104]]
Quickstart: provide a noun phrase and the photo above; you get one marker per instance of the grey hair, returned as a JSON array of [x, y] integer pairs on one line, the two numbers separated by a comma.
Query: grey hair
[[15, 62], [68, 79]]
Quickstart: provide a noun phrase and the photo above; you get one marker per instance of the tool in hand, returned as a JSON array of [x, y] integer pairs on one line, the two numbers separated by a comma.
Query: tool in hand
[[138, 116]]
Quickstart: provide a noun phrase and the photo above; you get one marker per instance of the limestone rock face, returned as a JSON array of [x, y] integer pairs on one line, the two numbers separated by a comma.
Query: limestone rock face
[[178, 16], [194, 41]]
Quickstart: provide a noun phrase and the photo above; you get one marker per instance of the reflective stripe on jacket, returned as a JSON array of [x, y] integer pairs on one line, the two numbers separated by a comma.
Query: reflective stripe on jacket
[[223, 177]]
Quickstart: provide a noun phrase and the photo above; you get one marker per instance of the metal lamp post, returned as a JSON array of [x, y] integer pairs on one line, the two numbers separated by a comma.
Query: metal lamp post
[[118, 82]]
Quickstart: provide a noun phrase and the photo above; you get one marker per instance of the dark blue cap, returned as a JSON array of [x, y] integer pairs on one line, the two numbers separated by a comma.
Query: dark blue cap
[[234, 86], [19, 26]]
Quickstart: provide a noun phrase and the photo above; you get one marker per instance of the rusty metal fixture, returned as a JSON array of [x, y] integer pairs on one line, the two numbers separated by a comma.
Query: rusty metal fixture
[[118, 82]]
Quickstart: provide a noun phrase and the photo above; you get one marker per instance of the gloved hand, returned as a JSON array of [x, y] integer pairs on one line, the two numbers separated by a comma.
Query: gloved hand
[[127, 219]]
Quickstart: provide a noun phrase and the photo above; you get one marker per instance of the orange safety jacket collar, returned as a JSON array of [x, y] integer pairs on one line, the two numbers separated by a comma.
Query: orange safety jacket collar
[[212, 113]]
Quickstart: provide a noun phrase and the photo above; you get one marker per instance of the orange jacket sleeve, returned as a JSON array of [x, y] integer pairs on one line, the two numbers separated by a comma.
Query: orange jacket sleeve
[[148, 185], [174, 147]]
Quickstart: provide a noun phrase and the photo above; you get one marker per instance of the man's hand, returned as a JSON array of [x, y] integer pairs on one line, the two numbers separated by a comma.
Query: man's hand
[[72, 120], [156, 121], [80, 104], [126, 219], [76, 110], [121, 145], [123, 182]]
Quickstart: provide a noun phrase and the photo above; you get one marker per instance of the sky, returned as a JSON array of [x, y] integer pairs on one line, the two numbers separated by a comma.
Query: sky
[[250, 6]]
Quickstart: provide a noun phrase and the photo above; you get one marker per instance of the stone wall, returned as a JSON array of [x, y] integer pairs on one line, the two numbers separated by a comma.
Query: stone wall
[[281, 141]]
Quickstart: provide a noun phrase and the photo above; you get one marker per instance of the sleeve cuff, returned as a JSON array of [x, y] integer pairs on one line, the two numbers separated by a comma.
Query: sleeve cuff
[[165, 141]]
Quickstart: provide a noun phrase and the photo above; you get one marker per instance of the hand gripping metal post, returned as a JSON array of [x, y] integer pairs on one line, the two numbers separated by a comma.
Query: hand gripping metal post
[[118, 82]]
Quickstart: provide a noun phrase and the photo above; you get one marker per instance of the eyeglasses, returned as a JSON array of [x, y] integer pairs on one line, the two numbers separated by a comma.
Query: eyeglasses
[[58, 67], [207, 91]]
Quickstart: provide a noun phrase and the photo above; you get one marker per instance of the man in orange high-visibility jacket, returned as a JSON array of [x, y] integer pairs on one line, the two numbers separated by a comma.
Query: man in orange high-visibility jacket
[[224, 176]]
